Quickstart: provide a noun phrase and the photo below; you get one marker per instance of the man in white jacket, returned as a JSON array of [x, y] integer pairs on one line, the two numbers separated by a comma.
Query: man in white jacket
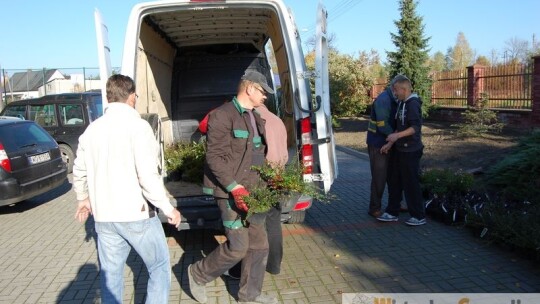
[[116, 179]]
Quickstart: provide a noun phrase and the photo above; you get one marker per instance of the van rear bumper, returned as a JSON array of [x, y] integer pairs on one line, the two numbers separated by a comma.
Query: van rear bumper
[[12, 192], [204, 217], [202, 212], [198, 212]]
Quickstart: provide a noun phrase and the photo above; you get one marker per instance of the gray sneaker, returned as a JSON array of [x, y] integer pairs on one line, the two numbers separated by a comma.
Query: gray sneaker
[[415, 222], [261, 299], [386, 217], [198, 291]]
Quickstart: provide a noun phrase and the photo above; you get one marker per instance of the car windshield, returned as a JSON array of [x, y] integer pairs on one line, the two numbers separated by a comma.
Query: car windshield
[[14, 136]]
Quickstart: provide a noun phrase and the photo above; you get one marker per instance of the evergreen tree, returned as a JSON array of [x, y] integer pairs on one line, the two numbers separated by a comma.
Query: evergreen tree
[[411, 57]]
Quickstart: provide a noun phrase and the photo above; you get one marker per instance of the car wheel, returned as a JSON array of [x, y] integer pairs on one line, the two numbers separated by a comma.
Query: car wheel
[[67, 156], [297, 217]]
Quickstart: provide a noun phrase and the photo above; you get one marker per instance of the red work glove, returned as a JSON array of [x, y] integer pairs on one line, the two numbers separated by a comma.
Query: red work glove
[[238, 195], [203, 125]]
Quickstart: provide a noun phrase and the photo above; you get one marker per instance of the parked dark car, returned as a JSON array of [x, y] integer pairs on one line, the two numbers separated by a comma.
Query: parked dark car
[[64, 116], [30, 161]]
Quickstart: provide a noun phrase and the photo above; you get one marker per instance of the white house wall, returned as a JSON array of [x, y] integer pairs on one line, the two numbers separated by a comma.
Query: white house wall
[[59, 86]]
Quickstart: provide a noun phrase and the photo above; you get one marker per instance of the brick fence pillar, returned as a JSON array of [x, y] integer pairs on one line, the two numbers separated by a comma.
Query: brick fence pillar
[[475, 83], [535, 92]]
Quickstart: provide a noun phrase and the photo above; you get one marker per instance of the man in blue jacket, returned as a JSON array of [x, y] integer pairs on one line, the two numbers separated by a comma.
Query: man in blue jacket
[[381, 124]]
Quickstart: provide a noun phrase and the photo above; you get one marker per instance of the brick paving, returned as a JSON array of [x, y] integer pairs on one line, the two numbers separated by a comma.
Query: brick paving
[[47, 257]]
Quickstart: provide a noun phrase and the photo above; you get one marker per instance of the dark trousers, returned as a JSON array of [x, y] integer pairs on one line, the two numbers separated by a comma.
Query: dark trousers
[[405, 178], [275, 243], [378, 163], [275, 240], [246, 244]]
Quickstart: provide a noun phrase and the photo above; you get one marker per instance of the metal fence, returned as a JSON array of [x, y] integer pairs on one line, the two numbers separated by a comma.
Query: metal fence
[[507, 87], [449, 88], [379, 84]]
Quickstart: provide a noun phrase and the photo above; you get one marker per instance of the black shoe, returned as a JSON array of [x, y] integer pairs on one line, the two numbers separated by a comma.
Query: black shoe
[[229, 273], [235, 272], [273, 271]]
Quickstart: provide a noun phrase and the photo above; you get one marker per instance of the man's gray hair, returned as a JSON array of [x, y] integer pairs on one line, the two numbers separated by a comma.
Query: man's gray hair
[[399, 78]]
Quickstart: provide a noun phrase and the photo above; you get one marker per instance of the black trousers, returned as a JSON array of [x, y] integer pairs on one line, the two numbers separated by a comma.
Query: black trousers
[[405, 178], [275, 240]]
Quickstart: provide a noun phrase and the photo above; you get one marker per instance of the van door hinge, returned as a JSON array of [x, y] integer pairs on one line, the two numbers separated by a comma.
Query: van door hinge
[[320, 141]]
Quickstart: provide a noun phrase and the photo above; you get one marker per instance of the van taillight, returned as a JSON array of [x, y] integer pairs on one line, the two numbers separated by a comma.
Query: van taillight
[[4, 160], [307, 147], [301, 206]]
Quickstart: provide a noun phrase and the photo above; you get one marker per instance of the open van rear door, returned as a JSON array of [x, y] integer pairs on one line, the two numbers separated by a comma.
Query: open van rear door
[[104, 53], [323, 117]]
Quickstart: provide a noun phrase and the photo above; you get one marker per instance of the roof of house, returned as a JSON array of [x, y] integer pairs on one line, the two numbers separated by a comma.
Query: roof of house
[[30, 80]]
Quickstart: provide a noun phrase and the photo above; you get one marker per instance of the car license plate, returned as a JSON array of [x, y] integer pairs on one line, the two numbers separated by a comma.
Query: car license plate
[[39, 158]]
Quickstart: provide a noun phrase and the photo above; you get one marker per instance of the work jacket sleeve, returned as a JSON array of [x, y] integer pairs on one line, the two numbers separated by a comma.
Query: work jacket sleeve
[[219, 154]]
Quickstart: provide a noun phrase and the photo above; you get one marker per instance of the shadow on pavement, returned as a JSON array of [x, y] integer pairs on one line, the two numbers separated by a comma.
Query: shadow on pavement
[[84, 286], [196, 244], [134, 262]]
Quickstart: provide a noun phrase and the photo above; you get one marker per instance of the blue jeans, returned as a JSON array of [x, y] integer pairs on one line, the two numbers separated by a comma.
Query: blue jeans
[[114, 244]]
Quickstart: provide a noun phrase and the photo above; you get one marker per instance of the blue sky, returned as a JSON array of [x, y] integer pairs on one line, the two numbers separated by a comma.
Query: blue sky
[[61, 33]]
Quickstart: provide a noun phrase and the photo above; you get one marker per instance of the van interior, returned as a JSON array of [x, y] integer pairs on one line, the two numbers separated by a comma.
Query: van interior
[[190, 61]]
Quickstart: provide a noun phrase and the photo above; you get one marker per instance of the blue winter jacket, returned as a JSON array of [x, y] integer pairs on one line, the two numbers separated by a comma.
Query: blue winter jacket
[[382, 119]]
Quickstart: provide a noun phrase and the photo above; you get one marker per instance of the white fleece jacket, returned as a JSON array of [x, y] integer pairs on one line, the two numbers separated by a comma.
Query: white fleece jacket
[[116, 167]]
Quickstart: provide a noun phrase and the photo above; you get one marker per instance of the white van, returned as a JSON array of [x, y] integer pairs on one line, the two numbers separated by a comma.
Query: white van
[[187, 57]]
